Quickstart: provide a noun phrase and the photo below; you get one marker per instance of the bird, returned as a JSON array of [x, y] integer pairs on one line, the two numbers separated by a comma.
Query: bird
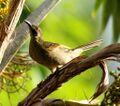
[[50, 54]]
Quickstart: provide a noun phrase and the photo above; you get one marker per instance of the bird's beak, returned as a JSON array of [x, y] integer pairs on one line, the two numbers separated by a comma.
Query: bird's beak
[[28, 23], [34, 29]]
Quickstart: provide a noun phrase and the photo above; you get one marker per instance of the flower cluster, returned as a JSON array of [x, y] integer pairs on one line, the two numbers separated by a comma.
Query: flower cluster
[[4, 9]]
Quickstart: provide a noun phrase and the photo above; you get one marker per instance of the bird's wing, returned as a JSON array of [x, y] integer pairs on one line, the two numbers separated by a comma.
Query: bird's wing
[[59, 53], [50, 46]]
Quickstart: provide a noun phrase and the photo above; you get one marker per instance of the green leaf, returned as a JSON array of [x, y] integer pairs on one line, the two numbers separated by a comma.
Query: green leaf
[[116, 20], [97, 4], [107, 11]]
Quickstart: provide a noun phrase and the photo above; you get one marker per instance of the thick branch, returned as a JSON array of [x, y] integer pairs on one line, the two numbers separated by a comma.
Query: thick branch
[[22, 31], [67, 72]]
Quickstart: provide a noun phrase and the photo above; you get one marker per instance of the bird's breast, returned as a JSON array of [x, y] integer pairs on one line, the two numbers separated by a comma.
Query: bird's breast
[[38, 54]]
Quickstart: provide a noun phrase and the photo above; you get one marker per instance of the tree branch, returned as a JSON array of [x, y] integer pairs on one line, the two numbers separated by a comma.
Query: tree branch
[[21, 33], [68, 71]]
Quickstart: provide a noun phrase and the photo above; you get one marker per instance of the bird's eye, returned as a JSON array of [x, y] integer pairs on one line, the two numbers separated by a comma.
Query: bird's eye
[[34, 31]]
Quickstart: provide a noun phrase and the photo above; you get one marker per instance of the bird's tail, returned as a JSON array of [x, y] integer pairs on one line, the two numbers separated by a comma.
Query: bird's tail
[[89, 45]]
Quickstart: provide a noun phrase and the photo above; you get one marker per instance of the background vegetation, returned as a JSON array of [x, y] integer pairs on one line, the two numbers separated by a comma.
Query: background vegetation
[[72, 23]]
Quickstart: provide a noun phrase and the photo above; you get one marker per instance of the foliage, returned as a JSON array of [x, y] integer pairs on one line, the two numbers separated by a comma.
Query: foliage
[[112, 95], [14, 78], [110, 8]]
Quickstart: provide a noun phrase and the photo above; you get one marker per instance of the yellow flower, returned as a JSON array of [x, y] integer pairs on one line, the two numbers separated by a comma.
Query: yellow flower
[[4, 9]]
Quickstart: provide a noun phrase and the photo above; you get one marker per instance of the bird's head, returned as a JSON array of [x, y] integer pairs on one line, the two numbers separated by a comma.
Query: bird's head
[[35, 31]]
